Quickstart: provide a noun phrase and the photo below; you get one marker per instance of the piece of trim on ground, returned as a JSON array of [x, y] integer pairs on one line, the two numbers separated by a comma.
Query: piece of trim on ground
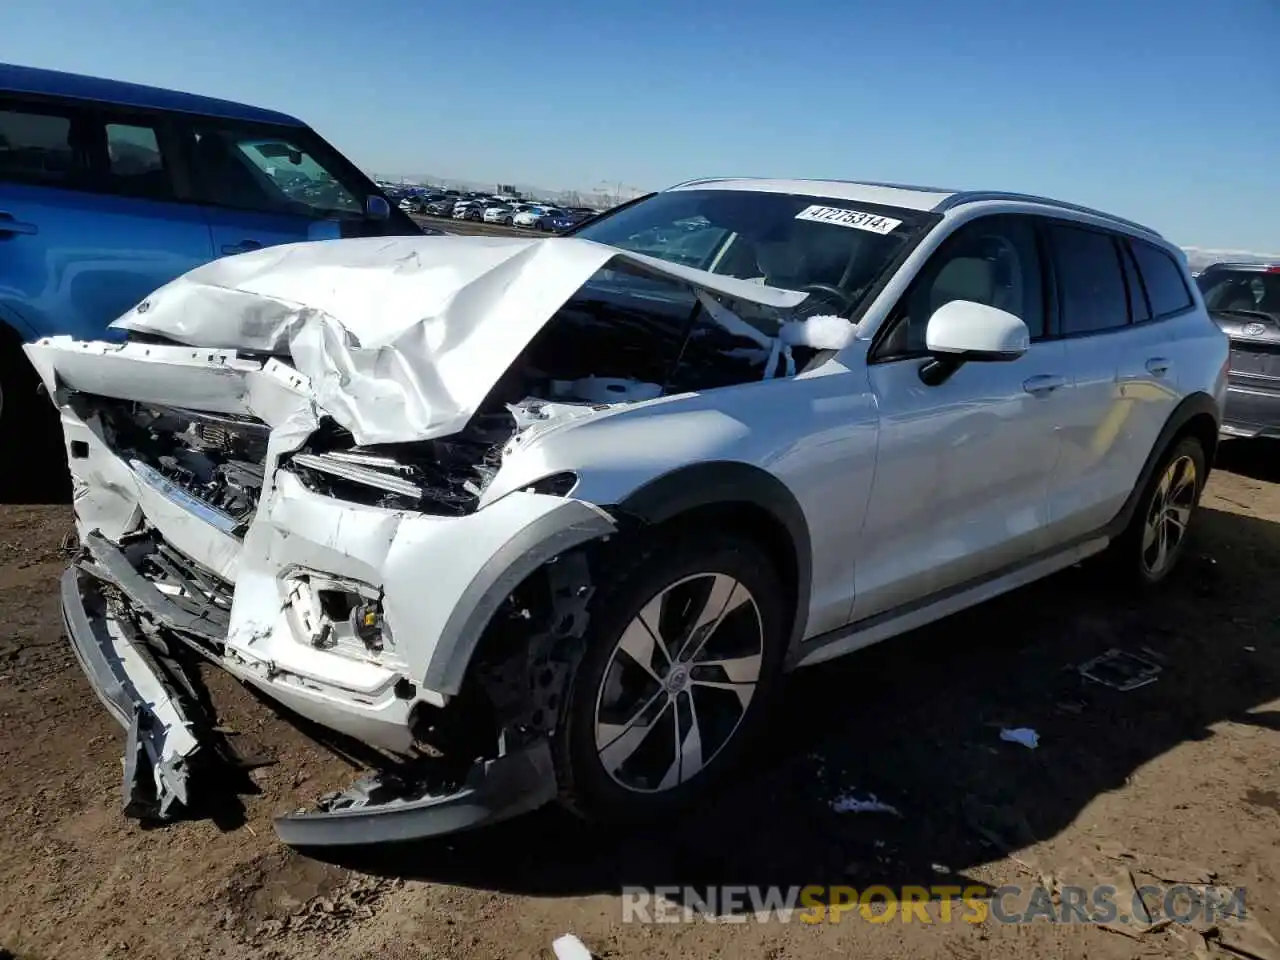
[[380, 809]]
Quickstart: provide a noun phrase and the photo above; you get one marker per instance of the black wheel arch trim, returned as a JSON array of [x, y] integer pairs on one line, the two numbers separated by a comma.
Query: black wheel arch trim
[[1191, 406], [718, 482]]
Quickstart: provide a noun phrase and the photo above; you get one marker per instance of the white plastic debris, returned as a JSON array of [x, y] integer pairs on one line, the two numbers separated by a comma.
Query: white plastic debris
[[1023, 735], [826, 332], [848, 803], [570, 947]]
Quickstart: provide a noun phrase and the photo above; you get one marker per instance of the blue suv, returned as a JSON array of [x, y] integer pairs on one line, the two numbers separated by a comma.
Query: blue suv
[[109, 189]]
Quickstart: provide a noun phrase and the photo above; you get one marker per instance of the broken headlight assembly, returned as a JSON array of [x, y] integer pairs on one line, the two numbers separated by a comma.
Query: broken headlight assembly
[[445, 476]]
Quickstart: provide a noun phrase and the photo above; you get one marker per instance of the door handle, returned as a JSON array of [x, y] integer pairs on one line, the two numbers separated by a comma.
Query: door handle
[[244, 246], [1043, 384], [9, 226], [1157, 366]]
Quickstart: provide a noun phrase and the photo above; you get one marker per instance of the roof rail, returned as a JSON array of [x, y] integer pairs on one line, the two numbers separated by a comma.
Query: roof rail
[[689, 183], [976, 196]]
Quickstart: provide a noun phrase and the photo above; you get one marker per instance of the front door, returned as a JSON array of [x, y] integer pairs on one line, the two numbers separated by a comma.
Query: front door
[[963, 468]]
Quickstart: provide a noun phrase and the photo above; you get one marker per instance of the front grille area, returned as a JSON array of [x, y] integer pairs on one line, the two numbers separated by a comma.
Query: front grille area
[[216, 459]]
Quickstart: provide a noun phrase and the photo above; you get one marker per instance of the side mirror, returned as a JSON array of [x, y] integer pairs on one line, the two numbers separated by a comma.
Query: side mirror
[[377, 208], [962, 331]]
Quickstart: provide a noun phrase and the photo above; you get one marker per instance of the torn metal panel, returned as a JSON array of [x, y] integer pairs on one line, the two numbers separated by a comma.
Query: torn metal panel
[[401, 339]]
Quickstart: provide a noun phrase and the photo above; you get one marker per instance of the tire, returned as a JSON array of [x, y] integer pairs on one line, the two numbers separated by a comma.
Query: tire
[[1149, 548], [612, 769]]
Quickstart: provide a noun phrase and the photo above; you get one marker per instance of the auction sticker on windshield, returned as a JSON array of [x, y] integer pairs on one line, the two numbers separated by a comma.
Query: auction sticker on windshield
[[857, 219]]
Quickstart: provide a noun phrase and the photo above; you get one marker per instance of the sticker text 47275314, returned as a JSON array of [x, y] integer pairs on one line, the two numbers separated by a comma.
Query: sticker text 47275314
[[842, 217]]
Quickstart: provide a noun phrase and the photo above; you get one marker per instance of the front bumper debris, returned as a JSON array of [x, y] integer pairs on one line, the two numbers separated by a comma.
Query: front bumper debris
[[161, 748], [171, 743], [385, 808]]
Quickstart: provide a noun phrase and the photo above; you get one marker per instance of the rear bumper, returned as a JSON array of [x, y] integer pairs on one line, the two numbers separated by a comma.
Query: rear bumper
[[1251, 411]]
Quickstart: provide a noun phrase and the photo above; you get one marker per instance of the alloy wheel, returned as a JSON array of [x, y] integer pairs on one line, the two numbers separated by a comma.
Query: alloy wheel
[[1168, 515], [679, 682]]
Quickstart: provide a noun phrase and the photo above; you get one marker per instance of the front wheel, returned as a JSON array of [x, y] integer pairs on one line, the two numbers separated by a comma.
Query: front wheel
[[684, 648], [1155, 539]]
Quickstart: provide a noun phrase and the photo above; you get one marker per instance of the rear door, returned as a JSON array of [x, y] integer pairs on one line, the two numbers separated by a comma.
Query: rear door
[[1121, 371], [92, 215], [1161, 360], [263, 185]]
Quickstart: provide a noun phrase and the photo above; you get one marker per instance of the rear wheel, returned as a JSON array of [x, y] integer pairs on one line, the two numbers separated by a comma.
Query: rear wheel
[[1155, 539], [684, 648]]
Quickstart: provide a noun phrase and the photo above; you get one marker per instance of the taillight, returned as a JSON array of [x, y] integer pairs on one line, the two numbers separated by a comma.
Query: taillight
[[1273, 269]]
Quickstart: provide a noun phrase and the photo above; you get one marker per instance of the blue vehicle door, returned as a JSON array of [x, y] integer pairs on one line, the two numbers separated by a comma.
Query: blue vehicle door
[[262, 185], [91, 215]]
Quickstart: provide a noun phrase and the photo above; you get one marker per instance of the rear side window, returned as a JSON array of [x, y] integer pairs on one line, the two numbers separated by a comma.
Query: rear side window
[[1166, 288], [1091, 287], [134, 163], [36, 147]]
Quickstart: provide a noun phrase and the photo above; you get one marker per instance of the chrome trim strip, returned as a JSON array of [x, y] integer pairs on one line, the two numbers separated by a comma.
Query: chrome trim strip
[[174, 493]]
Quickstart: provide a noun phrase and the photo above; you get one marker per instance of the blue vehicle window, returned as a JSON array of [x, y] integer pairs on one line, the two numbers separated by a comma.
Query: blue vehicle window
[[36, 147], [134, 160], [272, 172]]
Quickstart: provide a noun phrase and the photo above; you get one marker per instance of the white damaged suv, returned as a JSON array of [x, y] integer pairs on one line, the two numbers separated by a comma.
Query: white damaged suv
[[548, 518]]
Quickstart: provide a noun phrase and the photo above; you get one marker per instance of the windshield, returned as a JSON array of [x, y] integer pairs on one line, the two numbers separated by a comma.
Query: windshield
[[834, 249], [1248, 290]]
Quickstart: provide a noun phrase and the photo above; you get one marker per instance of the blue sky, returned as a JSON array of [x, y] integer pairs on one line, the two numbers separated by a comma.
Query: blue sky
[[1167, 112]]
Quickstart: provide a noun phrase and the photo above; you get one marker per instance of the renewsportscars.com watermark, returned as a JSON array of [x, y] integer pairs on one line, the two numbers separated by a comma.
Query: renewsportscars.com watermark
[[1011, 903]]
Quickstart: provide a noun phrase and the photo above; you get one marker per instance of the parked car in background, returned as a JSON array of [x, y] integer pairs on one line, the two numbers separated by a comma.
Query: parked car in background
[[642, 490], [468, 210], [556, 221], [498, 213], [441, 206], [1244, 299], [530, 215], [109, 190]]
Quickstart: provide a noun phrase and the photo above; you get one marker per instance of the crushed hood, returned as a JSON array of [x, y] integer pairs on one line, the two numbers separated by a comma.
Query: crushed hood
[[402, 338]]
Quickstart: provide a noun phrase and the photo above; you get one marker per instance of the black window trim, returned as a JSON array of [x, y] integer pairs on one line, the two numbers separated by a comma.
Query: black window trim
[[896, 313], [1182, 278], [1126, 255]]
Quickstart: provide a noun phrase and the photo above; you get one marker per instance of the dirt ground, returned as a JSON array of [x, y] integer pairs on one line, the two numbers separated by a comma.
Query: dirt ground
[[1178, 780]]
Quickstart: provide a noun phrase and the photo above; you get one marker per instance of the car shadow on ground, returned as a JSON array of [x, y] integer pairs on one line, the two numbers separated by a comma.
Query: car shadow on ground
[[916, 723], [1255, 459]]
